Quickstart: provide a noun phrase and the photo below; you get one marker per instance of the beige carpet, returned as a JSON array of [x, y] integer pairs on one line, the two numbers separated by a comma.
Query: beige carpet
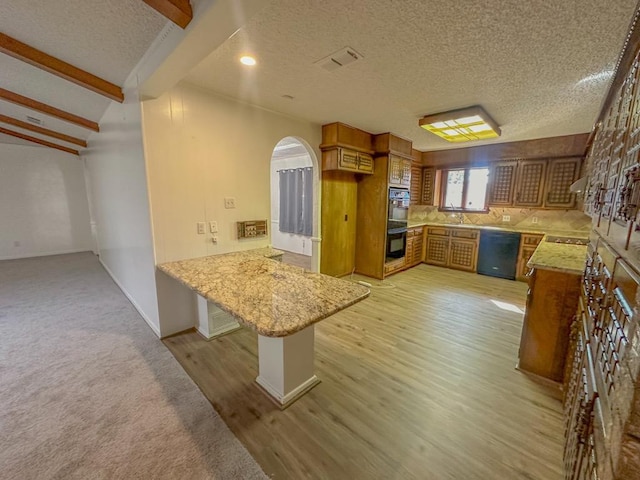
[[87, 391]]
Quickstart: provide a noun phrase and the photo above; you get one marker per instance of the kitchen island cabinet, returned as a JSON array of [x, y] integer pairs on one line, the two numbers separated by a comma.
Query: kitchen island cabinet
[[552, 300]]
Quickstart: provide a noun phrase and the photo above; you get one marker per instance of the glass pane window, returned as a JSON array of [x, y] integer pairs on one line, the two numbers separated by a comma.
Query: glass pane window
[[464, 189], [477, 189], [454, 188]]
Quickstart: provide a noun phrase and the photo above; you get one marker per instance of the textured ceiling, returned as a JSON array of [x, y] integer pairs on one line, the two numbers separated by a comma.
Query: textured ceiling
[[104, 37], [524, 62]]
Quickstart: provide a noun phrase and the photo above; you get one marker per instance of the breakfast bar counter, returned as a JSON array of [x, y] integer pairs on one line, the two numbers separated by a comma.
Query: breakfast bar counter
[[280, 302]]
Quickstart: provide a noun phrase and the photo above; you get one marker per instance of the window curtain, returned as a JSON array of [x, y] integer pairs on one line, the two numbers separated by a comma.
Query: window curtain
[[296, 201]]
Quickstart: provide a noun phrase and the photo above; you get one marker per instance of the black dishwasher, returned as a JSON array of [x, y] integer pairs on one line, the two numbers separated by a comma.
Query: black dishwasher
[[498, 254]]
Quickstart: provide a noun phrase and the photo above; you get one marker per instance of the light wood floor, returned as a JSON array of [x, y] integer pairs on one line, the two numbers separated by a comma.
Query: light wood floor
[[297, 259], [418, 381]]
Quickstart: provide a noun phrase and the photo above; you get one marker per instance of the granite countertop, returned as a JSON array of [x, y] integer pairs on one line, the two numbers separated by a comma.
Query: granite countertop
[[270, 297], [501, 228], [559, 257]]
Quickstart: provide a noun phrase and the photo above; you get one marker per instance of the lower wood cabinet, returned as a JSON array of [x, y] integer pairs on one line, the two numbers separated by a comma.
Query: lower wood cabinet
[[552, 301], [413, 254], [452, 247]]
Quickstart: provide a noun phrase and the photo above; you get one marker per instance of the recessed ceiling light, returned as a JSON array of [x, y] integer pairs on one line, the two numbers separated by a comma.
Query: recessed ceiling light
[[248, 60]]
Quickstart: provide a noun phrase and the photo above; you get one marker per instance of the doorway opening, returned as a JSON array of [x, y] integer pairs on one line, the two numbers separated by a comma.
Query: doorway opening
[[294, 202]]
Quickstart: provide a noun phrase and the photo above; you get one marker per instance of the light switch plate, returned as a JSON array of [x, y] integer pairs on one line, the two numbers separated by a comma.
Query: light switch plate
[[229, 202], [200, 227], [213, 227]]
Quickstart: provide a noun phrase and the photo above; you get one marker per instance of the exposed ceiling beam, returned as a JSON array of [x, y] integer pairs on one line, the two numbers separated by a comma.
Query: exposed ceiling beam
[[178, 11], [48, 110], [38, 141], [43, 131], [21, 51]]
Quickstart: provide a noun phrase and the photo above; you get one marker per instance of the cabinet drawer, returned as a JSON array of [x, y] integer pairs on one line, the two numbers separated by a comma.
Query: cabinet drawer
[[463, 233], [394, 266], [438, 231]]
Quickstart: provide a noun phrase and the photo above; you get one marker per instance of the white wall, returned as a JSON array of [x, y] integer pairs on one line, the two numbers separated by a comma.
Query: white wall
[[290, 242], [120, 206], [200, 149], [43, 203]]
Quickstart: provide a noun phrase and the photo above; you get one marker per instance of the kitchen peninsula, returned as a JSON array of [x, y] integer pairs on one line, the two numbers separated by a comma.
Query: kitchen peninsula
[[280, 302]]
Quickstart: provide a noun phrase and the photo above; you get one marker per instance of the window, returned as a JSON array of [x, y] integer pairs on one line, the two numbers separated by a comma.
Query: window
[[464, 189]]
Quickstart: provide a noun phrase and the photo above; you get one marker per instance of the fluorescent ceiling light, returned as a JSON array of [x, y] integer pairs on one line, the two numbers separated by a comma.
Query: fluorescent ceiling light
[[462, 125], [248, 60]]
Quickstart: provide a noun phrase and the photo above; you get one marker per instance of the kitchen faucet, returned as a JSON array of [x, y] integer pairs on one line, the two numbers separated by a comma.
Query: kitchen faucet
[[459, 216]]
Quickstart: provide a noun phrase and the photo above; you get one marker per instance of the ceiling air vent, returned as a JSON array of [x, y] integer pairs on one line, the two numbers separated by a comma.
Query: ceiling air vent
[[35, 120], [339, 59]]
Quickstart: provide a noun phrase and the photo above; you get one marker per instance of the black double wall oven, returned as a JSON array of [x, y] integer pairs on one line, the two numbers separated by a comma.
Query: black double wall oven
[[397, 224]]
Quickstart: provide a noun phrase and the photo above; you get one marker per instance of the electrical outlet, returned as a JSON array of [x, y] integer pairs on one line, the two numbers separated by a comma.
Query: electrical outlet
[[214, 239], [200, 226], [506, 218], [213, 227], [229, 202], [534, 219]]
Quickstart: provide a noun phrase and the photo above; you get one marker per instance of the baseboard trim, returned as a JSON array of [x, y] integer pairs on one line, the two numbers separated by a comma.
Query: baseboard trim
[[283, 401], [153, 327], [43, 254]]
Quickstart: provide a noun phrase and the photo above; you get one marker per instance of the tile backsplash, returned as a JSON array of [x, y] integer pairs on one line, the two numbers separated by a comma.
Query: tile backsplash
[[518, 217]]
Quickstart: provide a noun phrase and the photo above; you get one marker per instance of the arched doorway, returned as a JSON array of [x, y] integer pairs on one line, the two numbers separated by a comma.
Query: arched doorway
[[295, 190]]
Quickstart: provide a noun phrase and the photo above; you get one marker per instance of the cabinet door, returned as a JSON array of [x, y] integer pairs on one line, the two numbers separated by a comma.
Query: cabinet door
[[463, 254], [502, 179], [339, 208], [418, 240], [528, 245], [530, 183], [408, 253], [437, 251], [395, 170], [562, 173], [428, 185], [405, 180], [416, 184], [365, 163], [348, 159]]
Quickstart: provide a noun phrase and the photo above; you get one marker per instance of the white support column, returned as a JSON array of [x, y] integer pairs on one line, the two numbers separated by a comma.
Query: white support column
[[285, 366], [212, 321]]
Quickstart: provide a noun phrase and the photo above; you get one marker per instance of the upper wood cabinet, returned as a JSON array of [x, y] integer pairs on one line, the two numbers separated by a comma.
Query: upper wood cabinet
[[530, 183], [348, 160], [502, 181], [399, 171], [562, 172], [539, 183], [415, 189]]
